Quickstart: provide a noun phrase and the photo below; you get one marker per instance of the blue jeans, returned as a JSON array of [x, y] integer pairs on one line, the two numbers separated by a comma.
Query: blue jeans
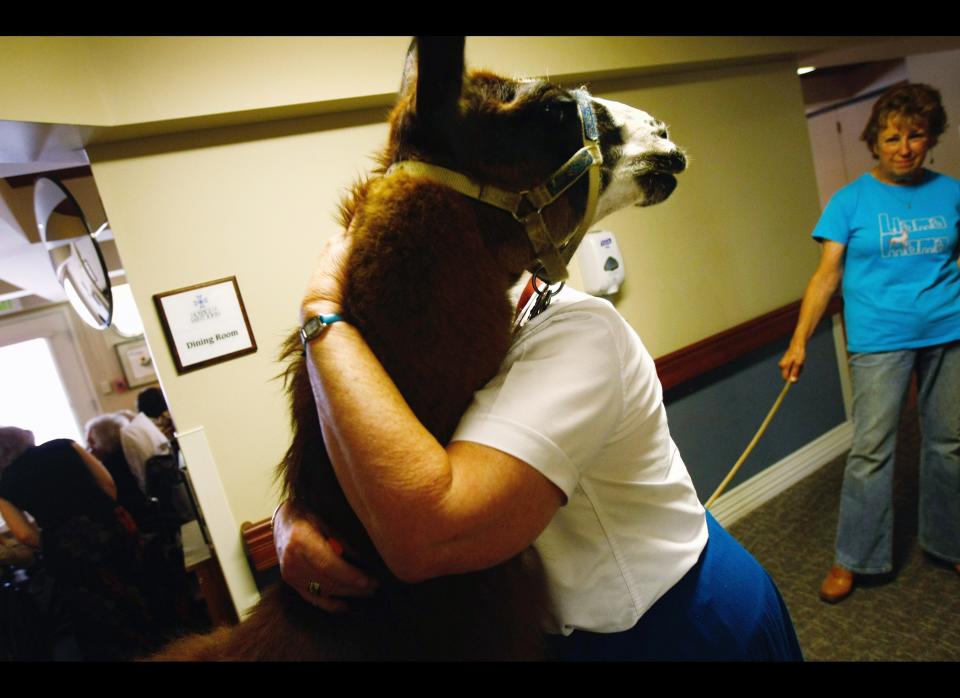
[[880, 383]]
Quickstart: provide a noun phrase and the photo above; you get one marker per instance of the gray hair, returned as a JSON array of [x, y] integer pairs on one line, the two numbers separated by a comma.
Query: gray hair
[[13, 442], [105, 431]]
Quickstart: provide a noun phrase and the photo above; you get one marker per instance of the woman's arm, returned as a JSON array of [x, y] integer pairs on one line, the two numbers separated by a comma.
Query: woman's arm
[[822, 286], [19, 525], [429, 510], [100, 474]]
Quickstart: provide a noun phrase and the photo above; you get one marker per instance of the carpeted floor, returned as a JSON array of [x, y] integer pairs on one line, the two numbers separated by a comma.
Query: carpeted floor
[[913, 615]]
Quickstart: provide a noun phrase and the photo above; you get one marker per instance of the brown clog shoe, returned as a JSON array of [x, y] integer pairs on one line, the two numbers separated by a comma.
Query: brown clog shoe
[[837, 585]]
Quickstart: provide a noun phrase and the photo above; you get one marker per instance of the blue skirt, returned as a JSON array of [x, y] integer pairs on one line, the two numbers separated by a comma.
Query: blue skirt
[[726, 608]]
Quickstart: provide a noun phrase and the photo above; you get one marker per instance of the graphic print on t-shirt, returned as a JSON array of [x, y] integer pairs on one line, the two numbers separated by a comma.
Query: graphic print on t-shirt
[[906, 237]]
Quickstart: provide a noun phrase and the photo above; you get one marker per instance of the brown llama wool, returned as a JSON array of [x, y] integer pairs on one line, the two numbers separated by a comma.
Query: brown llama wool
[[427, 284]]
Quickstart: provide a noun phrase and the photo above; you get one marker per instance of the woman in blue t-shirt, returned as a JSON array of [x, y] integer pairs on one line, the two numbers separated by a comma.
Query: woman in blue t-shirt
[[891, 237]]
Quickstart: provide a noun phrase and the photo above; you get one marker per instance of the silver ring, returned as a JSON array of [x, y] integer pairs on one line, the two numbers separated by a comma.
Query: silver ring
[[314, 588]]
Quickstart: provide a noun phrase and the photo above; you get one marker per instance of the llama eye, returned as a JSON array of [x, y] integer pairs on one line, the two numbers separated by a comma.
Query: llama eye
[[553, 112], [559, 111]]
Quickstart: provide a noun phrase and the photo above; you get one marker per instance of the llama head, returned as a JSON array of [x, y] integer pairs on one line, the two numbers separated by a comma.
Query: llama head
[[517, 134]]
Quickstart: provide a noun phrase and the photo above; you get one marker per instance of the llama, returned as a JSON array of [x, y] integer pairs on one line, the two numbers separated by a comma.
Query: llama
[[903, 239], [435, 250]]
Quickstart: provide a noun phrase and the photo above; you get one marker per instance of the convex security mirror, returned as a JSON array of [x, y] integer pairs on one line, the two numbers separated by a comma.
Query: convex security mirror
[[74, 253]]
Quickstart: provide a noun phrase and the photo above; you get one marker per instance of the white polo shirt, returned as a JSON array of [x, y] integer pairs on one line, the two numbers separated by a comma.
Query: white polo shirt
[[141, 440], [578, 398]]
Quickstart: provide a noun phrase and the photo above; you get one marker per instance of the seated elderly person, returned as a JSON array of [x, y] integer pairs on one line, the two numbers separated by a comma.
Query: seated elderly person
[[13, 442], [54, 482], [141, 440], [104, 441], [152, 403], [87, 543]]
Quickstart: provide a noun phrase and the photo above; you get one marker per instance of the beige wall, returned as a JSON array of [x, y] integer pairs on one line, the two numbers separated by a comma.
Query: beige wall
[[256, 201], [51, 80], [258, 209], [733, 241], [111, 80]]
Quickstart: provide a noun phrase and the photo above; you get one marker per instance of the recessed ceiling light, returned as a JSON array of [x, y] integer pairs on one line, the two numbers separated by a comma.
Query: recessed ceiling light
[[805, 69]]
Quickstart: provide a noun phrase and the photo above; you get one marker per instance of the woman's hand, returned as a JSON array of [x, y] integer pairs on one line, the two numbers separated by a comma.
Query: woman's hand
[[821, 287], [324, 292], [792, 362], [311, 563]]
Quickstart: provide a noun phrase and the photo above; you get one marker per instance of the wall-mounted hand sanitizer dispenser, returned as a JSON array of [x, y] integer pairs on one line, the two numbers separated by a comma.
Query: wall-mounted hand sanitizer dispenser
[[601, 265]]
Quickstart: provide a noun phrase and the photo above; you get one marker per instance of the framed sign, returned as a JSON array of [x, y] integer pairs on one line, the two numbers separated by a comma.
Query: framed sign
[[136, 362], [205, 324]]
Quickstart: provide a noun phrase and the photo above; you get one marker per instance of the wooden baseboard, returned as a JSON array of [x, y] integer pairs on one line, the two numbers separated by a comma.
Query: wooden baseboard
[[258, 543], [725, 347], [771, 481]]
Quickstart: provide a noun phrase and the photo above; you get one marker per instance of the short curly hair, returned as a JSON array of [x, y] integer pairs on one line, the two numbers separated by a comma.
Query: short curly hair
[[911, 101], [13, 442], [103, 432]]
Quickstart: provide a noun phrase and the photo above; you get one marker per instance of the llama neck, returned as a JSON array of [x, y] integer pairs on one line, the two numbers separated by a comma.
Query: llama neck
[[425, 284]]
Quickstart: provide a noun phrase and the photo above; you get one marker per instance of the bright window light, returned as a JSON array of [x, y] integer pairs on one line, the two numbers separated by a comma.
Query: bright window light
[[33, 396]]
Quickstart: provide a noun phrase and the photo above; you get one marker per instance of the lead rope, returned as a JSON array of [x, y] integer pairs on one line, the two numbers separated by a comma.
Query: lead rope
[[749, 449]]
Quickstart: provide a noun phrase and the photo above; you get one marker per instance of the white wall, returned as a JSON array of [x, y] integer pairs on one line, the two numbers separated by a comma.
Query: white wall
[[840, 156], [942, 70]]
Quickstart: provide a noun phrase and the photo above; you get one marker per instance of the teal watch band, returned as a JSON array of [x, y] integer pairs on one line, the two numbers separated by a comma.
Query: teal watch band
[[315, 326]]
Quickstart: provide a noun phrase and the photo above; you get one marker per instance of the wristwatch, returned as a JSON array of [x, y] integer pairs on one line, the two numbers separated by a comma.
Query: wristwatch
[[315, 326]]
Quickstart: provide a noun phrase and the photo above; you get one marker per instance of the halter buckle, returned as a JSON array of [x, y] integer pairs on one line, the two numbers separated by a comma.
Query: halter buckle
[[524, 208]]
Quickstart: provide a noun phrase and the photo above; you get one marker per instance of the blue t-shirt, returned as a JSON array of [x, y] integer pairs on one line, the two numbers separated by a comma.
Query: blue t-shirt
[[901, 282]]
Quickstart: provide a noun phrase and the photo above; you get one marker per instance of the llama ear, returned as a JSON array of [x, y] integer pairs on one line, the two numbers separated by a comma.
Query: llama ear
[[409, 78], [437, 65]]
